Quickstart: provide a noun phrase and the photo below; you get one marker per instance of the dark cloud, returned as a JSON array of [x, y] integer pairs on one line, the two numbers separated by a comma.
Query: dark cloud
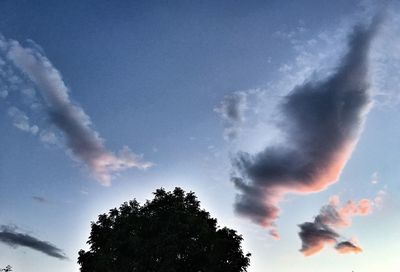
[[321, 122], [316, 235], [9, 236], [39, 199], [347, 247]]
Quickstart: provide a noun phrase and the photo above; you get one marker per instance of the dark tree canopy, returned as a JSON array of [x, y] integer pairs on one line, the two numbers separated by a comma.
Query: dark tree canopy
[[7, 269], [170, 233]]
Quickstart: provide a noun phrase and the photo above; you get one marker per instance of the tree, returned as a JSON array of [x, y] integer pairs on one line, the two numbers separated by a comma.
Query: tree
[[171, 233], [7, 269]]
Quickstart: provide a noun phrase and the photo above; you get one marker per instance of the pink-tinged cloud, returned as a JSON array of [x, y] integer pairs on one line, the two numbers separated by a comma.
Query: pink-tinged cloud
[[275, 234], [82, 141], [315, 237], [339, 216], [323, 230], [347, 247], [321, 122]]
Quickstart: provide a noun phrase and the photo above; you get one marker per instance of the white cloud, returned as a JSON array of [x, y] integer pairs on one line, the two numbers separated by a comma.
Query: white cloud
[[48, 137], [21, 120], [379, 198], [375, 178]]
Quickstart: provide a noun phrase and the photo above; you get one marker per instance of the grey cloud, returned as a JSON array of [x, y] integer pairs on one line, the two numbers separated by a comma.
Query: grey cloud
[[232, 110], [39, 199], [9, 236], [321, 122], [82, 140]]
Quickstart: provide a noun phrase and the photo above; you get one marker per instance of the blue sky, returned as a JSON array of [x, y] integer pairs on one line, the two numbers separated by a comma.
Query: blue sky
[[154, 76]]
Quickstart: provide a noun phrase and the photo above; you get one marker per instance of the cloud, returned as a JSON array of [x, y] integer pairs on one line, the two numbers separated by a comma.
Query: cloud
[[379, 198], [321, 122], [21, 120], [322, 231], [9, 236], [83, 142], [375, 178], [48, 137], [39, 199], [340, 217], [315, 236], [232, 111], [274, 233], [348, 247], [386, 59]]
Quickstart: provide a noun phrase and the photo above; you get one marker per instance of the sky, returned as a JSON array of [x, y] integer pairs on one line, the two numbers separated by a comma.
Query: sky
[[282, 117]]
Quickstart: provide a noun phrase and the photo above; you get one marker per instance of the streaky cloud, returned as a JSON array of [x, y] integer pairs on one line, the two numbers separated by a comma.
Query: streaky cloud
[[321, 122], [83, 142], [10, 237]]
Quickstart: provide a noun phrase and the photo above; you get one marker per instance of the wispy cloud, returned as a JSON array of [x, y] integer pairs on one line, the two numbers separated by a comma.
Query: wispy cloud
[[375, 178], [386, 59], [379, 198], [232, 111], [21, 120], [40, 199], [48, 137], [322, 231], [9, 236], [321, 121], [83, 142]]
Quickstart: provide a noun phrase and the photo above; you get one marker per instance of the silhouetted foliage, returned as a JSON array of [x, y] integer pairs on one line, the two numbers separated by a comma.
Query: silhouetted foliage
[[7, 269], [168, 234]]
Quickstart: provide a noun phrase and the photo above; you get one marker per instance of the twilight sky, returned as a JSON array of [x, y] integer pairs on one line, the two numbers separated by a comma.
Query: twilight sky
[[282, 117]]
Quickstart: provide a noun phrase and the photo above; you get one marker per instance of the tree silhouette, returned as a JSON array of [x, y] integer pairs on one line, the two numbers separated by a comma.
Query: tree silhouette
[[7, 269], [168, 234]]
